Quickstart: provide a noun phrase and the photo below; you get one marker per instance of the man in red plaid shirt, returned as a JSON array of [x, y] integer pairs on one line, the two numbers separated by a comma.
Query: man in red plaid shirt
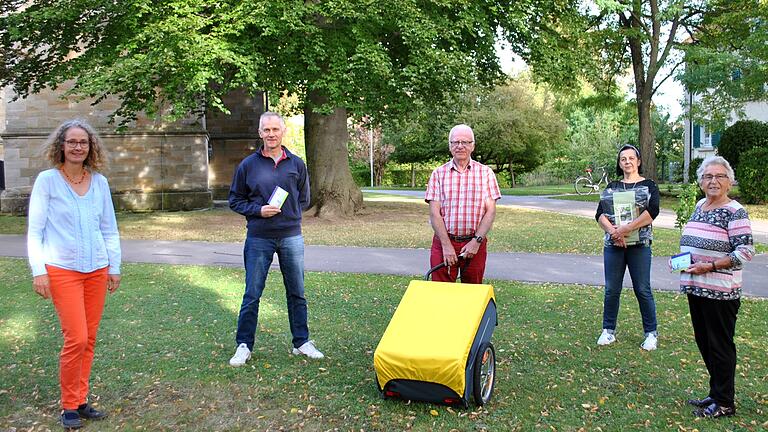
[[462, 198]]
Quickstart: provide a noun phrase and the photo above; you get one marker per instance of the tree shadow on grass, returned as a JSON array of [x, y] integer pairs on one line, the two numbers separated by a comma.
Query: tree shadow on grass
[[161, 357]]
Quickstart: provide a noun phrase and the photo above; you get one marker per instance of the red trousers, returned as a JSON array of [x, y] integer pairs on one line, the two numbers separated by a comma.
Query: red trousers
[[471, 272], [79, 301]]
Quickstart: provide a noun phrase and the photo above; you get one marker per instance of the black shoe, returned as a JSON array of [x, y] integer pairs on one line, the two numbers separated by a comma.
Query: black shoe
[[70, 419], [88, 412], [701, 403], [714, 411]]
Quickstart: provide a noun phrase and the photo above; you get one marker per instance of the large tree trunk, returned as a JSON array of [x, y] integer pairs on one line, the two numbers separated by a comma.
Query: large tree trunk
[[333, 191], [644, 78], [646, 138]]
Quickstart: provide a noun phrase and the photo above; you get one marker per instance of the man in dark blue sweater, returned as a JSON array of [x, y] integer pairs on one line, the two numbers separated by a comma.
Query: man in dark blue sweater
[[274, 225]]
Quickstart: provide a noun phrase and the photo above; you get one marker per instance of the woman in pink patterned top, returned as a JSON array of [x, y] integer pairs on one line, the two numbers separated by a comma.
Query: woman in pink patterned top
[[719, 238]]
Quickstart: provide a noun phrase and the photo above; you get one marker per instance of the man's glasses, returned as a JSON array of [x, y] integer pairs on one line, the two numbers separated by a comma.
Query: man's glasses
[[461, 143], [74, 144], [718, 177]]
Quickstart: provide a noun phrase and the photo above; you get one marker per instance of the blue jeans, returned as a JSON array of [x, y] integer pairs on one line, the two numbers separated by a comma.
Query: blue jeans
[[615, 261], [257, 254]]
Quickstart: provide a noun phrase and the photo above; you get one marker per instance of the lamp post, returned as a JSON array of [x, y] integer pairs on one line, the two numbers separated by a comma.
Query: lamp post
[[370, 143]]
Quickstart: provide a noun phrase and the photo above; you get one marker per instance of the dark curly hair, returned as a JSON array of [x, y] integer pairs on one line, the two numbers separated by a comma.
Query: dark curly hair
[[53, 149]]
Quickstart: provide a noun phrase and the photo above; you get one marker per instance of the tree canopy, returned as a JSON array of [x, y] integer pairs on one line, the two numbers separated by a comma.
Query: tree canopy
[[514, 124], [600, 40], [176, 57], [727, 61], [364, 55]]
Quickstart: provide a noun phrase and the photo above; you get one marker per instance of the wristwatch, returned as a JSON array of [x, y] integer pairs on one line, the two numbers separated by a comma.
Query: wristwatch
[[479, 239]]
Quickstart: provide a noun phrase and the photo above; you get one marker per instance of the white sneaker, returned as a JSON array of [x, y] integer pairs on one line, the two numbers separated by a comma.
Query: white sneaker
[[606, 338], [309, 350], [242, 355], [650, 343]]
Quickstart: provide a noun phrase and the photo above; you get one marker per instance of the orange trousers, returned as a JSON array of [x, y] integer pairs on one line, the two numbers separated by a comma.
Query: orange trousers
[[79, 302]]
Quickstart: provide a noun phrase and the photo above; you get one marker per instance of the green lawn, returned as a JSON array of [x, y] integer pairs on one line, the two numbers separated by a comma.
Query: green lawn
[[518, 191], [167, 334], [666, 201], [670, 201], [386, 221]]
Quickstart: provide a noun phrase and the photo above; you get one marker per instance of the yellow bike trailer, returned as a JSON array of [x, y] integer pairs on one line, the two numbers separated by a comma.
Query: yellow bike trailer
[[437, 347]]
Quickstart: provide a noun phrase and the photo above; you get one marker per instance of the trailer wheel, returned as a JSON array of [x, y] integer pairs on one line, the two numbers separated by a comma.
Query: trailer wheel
[[484, 373]]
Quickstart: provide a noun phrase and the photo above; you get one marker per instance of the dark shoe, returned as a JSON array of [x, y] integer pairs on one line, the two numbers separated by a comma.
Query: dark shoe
[[701, 403], [70, 419], [714, 411], [88, 412]]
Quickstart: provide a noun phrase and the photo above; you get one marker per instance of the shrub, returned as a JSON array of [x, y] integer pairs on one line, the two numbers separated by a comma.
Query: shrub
[[402, 177], [740, 137], [361, 174], [693, 165], [753, 183], [689, 196]]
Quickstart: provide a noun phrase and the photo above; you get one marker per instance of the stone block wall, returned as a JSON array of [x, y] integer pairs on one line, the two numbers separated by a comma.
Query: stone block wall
[[232, 137], [148, 158]]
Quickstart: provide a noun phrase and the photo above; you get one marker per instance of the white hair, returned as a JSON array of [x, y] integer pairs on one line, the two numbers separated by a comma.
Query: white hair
[[460, 127], [268, 114], [715, 160]]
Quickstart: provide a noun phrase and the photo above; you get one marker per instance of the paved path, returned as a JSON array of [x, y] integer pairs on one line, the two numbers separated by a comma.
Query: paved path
[[558, 268], [666, 218]]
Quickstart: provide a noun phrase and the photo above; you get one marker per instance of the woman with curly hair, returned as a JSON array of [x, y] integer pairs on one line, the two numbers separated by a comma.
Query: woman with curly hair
[[74, 252]]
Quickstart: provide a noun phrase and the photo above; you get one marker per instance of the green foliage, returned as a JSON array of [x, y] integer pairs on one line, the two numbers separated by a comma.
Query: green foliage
[[602, 42], [392, 176], [595, 131], [753, 181], [361, 174], [421, 135], [740, 137], [514, 124], [176, 57], [727, 65], [693, 166], [689, 196]]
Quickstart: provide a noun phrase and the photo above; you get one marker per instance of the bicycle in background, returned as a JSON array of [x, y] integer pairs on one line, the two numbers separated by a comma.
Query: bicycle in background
[[586, 185]]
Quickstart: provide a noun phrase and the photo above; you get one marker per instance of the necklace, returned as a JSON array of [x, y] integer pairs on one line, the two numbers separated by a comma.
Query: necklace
[[624, 185], [82, 177]]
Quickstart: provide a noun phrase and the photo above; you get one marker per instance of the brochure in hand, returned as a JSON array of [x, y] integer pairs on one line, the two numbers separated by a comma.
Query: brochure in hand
[[278, 197], [625, 211], [680, 262]]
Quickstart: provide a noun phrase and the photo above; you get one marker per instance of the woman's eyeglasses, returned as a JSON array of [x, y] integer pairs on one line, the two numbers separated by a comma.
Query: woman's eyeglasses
[[75, 144], [718, 177]]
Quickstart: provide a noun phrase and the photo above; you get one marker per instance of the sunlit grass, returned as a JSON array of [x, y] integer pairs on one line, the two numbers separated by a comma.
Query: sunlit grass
[[394, 222], [167, 334], [665, 201], [385, 221]]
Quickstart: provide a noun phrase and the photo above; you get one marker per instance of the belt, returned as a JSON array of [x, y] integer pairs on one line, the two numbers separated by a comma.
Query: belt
[[465, 238]]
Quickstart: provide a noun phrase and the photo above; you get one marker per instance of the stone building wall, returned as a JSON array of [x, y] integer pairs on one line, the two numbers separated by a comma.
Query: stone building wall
[[232, 137], [153, 165]]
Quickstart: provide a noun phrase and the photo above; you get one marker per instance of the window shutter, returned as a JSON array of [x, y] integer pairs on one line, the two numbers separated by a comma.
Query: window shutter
[[715, 139], [696, 136]]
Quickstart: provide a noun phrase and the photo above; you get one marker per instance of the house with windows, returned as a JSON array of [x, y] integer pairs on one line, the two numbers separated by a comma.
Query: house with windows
[[700, 142]]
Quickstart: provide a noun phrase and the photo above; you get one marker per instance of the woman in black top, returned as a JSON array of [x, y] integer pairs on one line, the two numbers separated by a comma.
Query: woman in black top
[[626, 210]]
